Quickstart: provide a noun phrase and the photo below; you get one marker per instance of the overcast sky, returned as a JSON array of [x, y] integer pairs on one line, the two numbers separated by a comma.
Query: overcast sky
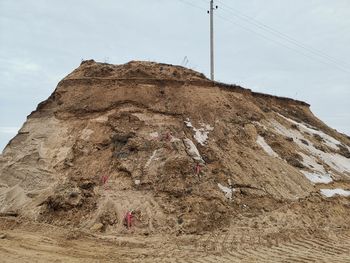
[[41, 41]]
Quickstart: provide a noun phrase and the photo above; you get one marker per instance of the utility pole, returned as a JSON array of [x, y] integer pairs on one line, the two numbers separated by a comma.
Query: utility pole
[[211, 13]]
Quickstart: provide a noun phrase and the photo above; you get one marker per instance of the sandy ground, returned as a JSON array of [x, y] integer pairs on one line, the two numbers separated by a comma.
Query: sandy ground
[[31, 242]]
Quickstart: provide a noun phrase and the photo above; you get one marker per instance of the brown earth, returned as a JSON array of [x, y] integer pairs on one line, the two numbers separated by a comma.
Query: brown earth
[[145, 127]]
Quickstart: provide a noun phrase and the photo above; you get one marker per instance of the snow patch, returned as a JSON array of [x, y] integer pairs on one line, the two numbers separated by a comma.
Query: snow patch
[[336, 161], [311, 163], [318, 178], [137, 182], [188, 123], [201, 134], [192, 150], [296, 135], [333, 192], [228, 191], [261, 141], [328, 140]]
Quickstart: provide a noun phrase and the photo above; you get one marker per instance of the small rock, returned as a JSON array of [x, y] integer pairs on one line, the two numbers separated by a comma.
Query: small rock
[[3, 236]]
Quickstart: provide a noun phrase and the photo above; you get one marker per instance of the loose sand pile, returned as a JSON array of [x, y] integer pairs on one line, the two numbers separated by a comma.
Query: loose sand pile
[[189, 156]]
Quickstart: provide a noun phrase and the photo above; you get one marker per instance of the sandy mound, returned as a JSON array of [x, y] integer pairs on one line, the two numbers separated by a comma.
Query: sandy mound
[[186, 154]]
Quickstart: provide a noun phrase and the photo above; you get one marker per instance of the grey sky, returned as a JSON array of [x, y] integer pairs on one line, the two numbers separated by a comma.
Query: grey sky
[[41, 41]]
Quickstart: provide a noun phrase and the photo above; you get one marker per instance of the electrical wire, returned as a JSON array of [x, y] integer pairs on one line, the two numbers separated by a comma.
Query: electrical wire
[[284, 45], [280, 34], [191, 4], [315, 57]]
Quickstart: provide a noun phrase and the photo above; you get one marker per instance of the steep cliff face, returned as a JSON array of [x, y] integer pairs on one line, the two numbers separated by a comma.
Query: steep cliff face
[[186, 154]]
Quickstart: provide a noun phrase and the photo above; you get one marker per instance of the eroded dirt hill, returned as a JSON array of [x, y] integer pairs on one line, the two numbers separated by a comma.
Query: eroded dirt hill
[[188, 155]]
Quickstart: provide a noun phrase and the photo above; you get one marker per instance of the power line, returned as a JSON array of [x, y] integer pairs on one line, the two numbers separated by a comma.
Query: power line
[[261, 35], [284, 45], [280, 34], [193, 5]]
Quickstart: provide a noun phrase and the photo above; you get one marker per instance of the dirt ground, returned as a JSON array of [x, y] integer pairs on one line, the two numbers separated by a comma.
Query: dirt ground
[[32, 242]]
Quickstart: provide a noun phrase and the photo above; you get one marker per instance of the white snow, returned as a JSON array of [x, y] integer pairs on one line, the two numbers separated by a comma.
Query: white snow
[[228, 191], [192, 150], [311, 163], [328, 140], [336, 161], [296, 135], [137, 182], [333, 192], [200, 134], [261, 141], [188, 123], [318, 178]]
